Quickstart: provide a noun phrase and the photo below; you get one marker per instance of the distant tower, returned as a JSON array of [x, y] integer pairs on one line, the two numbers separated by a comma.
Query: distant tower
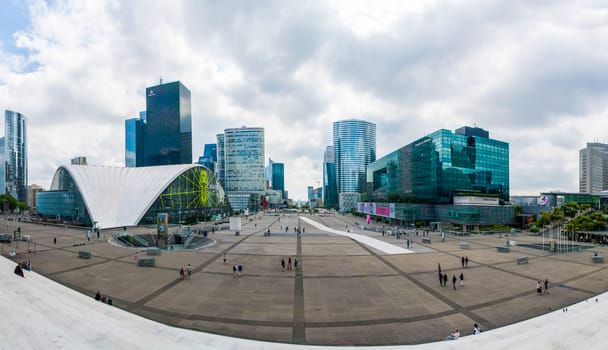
[[330, 189], [354, 149], [593, 168], [15, 155]]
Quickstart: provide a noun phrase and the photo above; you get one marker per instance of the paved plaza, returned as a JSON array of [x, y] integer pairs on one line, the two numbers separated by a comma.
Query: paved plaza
[[343, 292]]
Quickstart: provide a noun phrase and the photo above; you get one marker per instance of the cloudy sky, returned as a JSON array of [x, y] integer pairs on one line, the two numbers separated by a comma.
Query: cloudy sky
[[532, 73]]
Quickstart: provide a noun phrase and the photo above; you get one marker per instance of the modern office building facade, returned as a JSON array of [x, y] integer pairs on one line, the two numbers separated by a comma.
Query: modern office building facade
[[435, 168], [330, 189], [354, 148], [243, 167], [209, 157], [15, 155], [275, 175], [134, 140], [168, 134], [593, 168], [220, 166], [458, 178]]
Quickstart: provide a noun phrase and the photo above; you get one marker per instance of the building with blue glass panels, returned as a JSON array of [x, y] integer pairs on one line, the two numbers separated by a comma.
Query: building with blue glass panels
[[134, 140], [435, 168], [354, 148], [168, 131], [278, 177], [209, 157], [330, 188], [15, 155]]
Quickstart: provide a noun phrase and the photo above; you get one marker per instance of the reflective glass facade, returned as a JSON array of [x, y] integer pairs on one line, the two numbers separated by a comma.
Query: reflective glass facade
[[330, 189], [354, 149], [63, 201], [436, 167], [15, 155], [278, 177], [134, 141], [209, 157], [220, 171], [168, 131]]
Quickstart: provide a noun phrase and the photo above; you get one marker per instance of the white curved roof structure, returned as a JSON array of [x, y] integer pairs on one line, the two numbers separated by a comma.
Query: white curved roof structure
[[116, 196]]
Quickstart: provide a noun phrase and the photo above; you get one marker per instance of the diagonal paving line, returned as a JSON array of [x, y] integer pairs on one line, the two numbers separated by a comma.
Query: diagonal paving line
[[299, 329]]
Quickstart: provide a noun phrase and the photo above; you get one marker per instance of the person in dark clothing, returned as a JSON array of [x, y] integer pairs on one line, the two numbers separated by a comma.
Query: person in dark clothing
[[440, 278], [98, 296], [54, 240], [462, 262], [461, 280], [466, 261], [283, 264], [295, 263], [454, 279], [445, 279], [19, 271]]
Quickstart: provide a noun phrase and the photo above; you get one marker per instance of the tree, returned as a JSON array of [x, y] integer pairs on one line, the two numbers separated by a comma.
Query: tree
[[12, 202]]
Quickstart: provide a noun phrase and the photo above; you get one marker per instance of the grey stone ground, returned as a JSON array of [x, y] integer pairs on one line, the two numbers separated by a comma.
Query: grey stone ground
[[342, 293]]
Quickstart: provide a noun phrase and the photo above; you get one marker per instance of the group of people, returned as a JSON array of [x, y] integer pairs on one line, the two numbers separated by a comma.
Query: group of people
[[185, 273], [455, 333], [464, 261], [443, 278], [237, 270], [103, 298], [289, 265], [539, 287]]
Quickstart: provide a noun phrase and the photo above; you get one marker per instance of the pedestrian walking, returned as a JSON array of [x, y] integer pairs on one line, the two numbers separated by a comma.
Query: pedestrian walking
[[289, 264], [224, 256], [466, 262], [454, 281], [283, 264], [189, 270], [445, 279], [240, 270], [546, 286], [461, 279], [295, 263], [462, 262], [234, 267], [440, 278], [439, 267], [539, 288], [54, 240], [182, 272]]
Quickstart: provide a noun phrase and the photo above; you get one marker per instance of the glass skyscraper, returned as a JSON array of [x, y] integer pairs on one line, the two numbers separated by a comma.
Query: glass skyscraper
[[593, 168], [436, 167], [243, 166], [15, 155], [209, 157], [330, 190], [168, 131], [220, 173], [134, 140], [278, 177], [354, 149]]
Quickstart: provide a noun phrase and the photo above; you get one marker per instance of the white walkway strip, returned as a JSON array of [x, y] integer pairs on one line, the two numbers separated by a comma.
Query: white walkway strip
[[384, 247]]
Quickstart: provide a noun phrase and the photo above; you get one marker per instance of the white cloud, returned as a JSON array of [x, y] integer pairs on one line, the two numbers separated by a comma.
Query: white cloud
[[533, 74]]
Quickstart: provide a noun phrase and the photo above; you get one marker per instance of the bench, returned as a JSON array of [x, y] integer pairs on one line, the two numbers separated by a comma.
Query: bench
[[153, 251], [426, 240], [146, 262], [465, 245], [503, 249], [84, 254], [597, 259], [522, 260]]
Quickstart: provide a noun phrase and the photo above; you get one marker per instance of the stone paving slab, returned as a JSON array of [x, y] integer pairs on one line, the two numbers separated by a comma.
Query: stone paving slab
[[116, 279], [52, 261], [256, 265], [225, 296], [554, 270], [173, 260], [596, 281], [344, 299], [279, 334], [333, 249], [272, 239], [390, 333], [481, 284], [345, 266], [265, 249], [103, 249], [323, 240], [427, 262]]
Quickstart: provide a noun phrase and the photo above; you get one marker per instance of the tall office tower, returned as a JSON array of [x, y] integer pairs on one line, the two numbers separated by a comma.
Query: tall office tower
[[244, 167], [134, 140], [209, 157], [168, 131], [330, 190], [354, 149], [220, 173], [278, 178], [268, 173], [3, 164], [593, 168], [15, 155]]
